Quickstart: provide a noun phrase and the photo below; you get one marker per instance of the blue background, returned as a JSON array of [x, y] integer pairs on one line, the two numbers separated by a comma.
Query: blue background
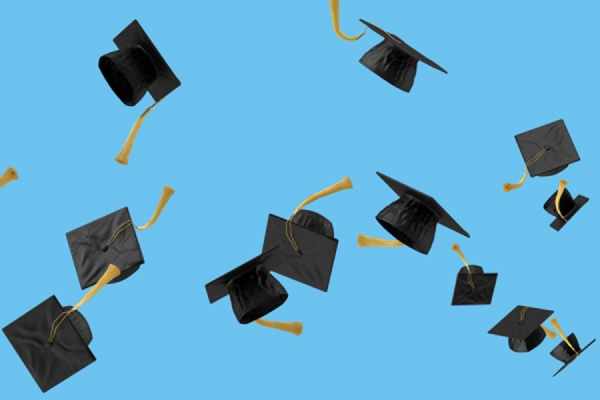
[[274, 107]]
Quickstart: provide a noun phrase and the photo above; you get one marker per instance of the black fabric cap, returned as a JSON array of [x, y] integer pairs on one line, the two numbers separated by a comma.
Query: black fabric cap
[[564, 353], [413, 218], [312, 265], [394, 61], [568, 207], [526, 334], [560, 150], [465, 295], [92, 257], [137, 67], [253, 291], [52, 364]]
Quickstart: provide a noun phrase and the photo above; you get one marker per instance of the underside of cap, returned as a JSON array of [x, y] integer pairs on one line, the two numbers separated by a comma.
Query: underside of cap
[[392, 65], [531, 342]]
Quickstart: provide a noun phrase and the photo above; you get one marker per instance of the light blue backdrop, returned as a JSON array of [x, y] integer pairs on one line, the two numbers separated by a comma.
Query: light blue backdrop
[[274, 107]]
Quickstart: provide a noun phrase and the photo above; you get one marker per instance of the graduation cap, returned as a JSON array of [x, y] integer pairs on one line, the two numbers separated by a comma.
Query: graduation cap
[[523, 328], [568, 350], [135, 68], [473, 286], [306, 240], [562, 206], [108, 240], [546, 150], [8, 176], [254, 292], [53, 341], [334, 6], [412, 219]]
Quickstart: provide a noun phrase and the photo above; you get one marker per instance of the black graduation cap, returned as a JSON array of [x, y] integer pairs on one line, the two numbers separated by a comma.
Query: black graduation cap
[[53, 341], [563, 352], [413, 218], [307, 242], [394, 60], [135, 68], [523, 328], [546, 150], [8, 176], [567, 207], [473, 286], [111, 239]]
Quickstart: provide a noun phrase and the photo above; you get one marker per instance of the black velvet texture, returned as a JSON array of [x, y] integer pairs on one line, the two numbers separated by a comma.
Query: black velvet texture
[[566, 204], [255, 293], [563, 352], [314, 222], [129, 73], [392, 65], [86, 245], [411, 222], [529, 343]]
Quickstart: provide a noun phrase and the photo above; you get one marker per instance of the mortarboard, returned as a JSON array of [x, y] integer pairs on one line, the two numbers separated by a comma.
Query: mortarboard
[[562, 206], [412, 219], [523, 328], [306, 241], [546, 150], [473, 286], [568, 350], [254, 292], [53, 341], [111, 239], [135, 68], [8, 176], [394, 60]]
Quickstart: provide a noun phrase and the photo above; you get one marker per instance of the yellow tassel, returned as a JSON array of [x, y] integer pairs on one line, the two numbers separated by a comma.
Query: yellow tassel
[[512, 186], [334, 5], [561, 189], [456, 248], [123, 157], [290, 327], [164, 198], [8, 176], [549, 333], [345, 183], [554, 323], [111, 273], [366, 241]]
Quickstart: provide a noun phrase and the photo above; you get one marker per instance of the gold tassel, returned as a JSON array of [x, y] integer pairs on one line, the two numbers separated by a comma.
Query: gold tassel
[[111, 273], [334, 5], [366, 241], [456, 248], [561, 189], [554, 323], [123, 157], [164, 198], [549, 333], [294, 328], [8, 176], [512, 186], [345, 183]]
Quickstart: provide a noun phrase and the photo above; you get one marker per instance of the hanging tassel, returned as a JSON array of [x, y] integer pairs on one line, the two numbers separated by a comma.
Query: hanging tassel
[[123, 157], [334, 5], [456, 248], [549, 333], [561, 189], [294, 328], [368, 241], [164, 198], [8, 176], [554, 323], [512, 186]]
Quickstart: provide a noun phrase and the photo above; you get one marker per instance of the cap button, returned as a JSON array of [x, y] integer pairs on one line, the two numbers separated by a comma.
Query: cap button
[[521, 322], [48, 345], [546, 147], [104, 248]]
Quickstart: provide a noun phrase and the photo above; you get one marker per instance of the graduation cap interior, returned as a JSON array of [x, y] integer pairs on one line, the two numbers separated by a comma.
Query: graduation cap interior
[[412, 219], [562, 206], [8, 176], [546, 150], [135, 68], [53, 341], [473, 286], [523, 328], [254, 292], [111, 239], [568, 350], [307, 242]]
